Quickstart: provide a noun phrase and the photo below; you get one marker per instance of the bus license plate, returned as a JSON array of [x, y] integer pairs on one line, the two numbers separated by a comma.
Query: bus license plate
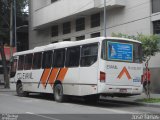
[[123, 90]]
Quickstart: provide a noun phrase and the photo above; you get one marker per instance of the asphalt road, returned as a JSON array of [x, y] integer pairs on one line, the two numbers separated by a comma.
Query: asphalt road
[[43, 107]]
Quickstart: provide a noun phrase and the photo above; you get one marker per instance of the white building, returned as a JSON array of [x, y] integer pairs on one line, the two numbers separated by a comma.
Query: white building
[[63, 20]]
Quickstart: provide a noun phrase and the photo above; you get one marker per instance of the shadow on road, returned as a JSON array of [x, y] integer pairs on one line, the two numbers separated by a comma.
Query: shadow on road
[[80, 101]]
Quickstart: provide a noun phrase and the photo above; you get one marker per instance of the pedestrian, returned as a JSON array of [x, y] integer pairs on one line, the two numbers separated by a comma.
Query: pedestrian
[[146, 79]]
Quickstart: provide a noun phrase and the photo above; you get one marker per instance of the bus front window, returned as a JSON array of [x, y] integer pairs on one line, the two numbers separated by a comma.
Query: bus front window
[[13, 68], [121, 51]]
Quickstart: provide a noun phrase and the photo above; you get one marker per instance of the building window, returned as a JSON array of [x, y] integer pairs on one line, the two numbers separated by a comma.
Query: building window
[[52, 1], [66, 27], [80, 38], [95, 20], [72, 57], [80, 24], [68, 39], [54, 30], [54, 42], [93, 35], [155, 6], [156, 27]]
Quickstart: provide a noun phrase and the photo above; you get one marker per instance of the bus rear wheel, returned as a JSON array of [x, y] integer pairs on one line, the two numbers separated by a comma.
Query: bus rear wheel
[[58, 93], [19, 90]]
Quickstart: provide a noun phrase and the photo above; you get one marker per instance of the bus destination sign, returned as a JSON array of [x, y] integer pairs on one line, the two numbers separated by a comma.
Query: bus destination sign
[[120, 51]]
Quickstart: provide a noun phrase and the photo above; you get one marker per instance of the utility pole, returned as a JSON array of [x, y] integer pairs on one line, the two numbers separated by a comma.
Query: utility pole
[[104, 18], [11, 28], [15, 25]]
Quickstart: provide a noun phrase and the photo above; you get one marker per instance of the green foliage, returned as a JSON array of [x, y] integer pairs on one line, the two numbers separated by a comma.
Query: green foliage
[[4, 22], [5, 8], [21, 5], [150, 43], [124, 36]]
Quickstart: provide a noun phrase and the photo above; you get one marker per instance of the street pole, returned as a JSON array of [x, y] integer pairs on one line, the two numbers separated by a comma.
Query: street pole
[[15, 25], [11, 29], [104, 18]]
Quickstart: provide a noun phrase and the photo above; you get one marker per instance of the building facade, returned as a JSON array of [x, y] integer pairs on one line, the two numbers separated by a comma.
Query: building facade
[[64, 20]]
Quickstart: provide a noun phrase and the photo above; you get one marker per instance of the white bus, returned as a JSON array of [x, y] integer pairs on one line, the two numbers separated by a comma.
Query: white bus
[[89, 68]]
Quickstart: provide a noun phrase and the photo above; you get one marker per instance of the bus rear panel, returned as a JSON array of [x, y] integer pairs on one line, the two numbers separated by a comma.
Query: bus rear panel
[[120, 68]]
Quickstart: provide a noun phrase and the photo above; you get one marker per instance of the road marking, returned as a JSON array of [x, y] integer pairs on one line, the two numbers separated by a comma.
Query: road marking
[[42, 116]]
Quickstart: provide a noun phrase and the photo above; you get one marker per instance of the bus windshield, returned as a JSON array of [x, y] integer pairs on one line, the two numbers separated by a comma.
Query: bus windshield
[[121, 51]]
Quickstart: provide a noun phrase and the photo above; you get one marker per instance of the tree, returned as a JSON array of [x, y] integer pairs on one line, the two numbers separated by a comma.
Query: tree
[[6, 78], [6, 26], [150, 44], [5, 8], [4, 20]]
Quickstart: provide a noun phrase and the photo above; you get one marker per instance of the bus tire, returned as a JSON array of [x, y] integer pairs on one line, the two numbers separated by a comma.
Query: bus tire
[[19, 90], [58, 93]]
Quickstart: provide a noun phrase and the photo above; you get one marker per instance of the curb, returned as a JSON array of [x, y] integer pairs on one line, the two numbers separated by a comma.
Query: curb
[[6, 90], [134, 102], [156, 105]]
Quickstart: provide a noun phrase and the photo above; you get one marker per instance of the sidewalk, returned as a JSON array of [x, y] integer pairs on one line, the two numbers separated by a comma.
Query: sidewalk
[[134, 99], [2, 89]]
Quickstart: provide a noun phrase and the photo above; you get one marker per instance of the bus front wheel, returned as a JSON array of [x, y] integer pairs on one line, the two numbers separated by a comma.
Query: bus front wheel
[[58, 93], [19, 90]]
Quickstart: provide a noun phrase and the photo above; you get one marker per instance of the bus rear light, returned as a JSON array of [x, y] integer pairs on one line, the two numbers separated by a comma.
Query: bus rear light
[[102, 77]]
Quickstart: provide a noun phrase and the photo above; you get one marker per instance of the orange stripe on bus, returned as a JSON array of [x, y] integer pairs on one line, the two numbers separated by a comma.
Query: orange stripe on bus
[[53, 76], [62, 74], [45, 76]]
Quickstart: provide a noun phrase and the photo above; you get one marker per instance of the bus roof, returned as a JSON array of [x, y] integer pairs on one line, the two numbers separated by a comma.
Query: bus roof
[[70, 44]]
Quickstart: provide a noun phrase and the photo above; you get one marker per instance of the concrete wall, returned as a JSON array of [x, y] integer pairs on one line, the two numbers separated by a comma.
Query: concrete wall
[[39, 4], [155, 80], [131, 19], [59, 10]]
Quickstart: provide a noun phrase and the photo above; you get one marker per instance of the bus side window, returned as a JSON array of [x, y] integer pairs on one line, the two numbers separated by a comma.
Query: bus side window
[[47, 59], [37, 60], [21, 62], [72, 57], [89, 54], [59, 58], [13, 68], [28, 61]]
